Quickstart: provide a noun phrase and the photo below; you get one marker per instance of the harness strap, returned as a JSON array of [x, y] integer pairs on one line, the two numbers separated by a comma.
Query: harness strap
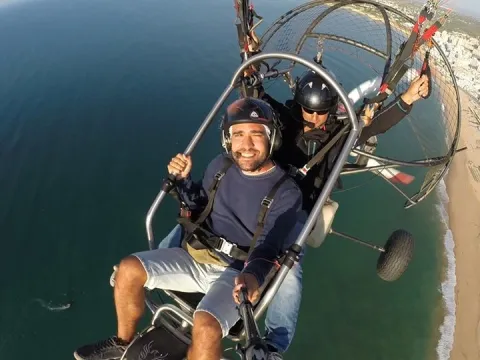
[[200, 238], [213, 190], [265, 207], [320, 155], [184, 209]]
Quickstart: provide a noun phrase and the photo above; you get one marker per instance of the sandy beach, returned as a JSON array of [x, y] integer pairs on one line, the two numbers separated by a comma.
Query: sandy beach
[[463, 186]]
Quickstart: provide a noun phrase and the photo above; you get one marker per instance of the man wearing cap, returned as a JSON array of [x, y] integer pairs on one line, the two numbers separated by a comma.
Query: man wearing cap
[[245, 177]]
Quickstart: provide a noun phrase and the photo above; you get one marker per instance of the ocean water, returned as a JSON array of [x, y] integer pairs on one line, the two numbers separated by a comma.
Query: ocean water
[[95, 98]]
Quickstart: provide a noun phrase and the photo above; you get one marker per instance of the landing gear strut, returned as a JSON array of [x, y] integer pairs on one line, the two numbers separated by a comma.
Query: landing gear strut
[[394, 256]]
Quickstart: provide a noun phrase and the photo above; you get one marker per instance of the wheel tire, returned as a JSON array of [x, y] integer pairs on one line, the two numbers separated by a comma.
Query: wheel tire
[[394, 261]]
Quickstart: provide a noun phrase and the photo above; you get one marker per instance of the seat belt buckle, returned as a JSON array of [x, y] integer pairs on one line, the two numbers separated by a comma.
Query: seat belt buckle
[[185, 213], [226, 247], [303, 171], [267, 202], [219, 175]]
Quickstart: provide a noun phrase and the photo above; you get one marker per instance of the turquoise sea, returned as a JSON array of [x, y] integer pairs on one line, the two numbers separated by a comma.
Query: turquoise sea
[[95, 98]]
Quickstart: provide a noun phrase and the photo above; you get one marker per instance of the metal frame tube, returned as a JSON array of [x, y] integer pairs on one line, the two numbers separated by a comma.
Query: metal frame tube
[[414, 163], [352, 137], [353, 171], [267, 75], [312, 218], [348, 41], [173, 309], [191, 146]]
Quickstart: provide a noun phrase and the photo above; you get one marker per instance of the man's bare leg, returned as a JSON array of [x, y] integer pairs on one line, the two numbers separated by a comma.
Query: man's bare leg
[[129, 296], [206, 338]]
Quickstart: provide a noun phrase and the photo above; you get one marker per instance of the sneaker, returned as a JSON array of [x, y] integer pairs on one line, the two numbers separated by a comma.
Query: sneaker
[[273, 353], [275, 356], [109, 349]]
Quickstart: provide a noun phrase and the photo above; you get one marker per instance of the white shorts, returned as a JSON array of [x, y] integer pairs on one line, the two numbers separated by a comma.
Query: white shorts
[[174, 269]]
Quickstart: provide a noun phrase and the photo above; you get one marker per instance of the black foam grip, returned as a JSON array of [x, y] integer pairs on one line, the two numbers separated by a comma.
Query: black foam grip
[[377, 99], [169, 183], [427, 71]]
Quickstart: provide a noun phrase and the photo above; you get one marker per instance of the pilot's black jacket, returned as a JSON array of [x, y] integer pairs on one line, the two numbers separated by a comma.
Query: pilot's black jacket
[[299, 147]]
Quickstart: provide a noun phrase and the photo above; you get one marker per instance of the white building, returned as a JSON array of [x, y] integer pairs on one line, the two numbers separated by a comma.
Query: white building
[[474, 63]]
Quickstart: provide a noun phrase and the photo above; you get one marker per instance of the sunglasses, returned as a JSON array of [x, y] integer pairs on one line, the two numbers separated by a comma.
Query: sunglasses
[[308, 111]]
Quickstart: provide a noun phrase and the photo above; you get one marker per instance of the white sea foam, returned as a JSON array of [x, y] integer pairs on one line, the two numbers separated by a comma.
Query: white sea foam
[[447, 329]]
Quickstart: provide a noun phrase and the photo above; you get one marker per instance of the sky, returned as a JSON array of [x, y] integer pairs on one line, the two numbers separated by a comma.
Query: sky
[[466, 3], [465, 7]]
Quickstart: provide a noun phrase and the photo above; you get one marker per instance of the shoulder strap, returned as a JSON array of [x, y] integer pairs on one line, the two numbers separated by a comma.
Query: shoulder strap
[[227, 162], [321, 154], [265, 207]]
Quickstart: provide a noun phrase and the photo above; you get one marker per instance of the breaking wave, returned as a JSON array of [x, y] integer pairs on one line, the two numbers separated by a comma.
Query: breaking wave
[[52, 307], [447, 329]]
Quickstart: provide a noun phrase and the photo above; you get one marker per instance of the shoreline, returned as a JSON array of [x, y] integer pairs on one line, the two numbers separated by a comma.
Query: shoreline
[[447, 308], [461, 285]]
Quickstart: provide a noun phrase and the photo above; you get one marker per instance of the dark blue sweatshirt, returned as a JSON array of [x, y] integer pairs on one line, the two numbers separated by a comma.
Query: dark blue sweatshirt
[[236, 207]]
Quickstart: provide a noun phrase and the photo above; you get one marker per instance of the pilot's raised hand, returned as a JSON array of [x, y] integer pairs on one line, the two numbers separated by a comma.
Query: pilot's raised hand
[[251, 283], [368, 113], [418, 89], [180, 165]]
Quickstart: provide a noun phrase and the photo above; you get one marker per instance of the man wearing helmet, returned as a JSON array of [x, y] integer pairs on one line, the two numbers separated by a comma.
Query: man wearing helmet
[[239, 182], [310, 122]]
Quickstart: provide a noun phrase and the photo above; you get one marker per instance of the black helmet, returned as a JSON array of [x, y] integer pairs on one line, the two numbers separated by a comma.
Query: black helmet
[[251, 110], [313, 93]]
